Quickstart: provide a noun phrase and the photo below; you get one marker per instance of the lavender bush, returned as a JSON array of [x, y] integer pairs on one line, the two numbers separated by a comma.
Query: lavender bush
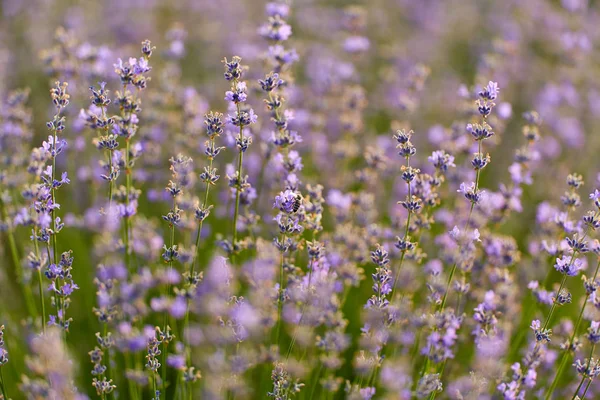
[[299, 200]]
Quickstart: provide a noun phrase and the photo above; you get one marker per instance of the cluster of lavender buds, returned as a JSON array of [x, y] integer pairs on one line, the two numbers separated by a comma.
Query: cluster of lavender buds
[[275, 84], [100, 382], [153, 363], [363, 246], [98, 120]]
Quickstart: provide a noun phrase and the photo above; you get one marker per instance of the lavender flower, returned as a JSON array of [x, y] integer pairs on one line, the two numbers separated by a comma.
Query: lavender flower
[[242, 118]]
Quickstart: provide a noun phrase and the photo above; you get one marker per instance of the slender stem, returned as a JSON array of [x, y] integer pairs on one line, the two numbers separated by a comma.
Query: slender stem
[[2, 385], [239, 181], [40, 283], [54, 199], [108, 366], [110, 161], [291, 347], [154, 384], [467, 224], [166, 312], [280, 293], [316, 381], [57, 300], [130, 383], [59, 303], [41, 289], [578, 387], [127, 201], [453, 270], [562, 284], [397, 271], [110, 183], [586, 389], [204, 205]]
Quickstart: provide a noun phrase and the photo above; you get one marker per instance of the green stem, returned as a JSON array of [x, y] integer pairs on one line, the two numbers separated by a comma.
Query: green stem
[[2, 387], [204, 205], [453, 270], [464, 232], [59, 303], [586, 389], [154, 384], [40, 283], [166, 314], [316, 381], [110, 163], [280, 293], [130, 383], [127, 200], [291, 347], [108, 366], [110, 183], [578, 387], [477, 174], [397, 271], [41, 289], [562, 284], [239, 182]]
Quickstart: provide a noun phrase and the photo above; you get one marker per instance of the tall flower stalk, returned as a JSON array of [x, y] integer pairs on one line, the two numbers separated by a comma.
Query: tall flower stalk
[[412, 204], [279, 59], [288, 221], [131, 73], [243, 116], [445, 325], [59, 269], [214, 128], [181, 168], [479, 132], [105, 141]]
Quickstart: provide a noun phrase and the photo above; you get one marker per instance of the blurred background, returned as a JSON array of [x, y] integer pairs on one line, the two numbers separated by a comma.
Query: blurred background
[[404, 63]]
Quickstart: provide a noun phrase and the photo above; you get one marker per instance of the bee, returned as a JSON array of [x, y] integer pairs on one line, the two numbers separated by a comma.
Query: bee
[[297, 203]]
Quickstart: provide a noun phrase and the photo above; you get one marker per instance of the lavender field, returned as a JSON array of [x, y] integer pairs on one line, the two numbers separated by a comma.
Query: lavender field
[[307, 199]]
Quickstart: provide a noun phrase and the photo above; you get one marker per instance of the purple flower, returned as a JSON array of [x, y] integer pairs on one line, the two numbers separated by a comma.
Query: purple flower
[[280, 9], [441, 160], [178, 307], [356, 44], [287, 202], [176, 361], [238, 95], [593, 334], [470, 192], [568, 265], [490, 92], [367, 393], [68, 288]]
